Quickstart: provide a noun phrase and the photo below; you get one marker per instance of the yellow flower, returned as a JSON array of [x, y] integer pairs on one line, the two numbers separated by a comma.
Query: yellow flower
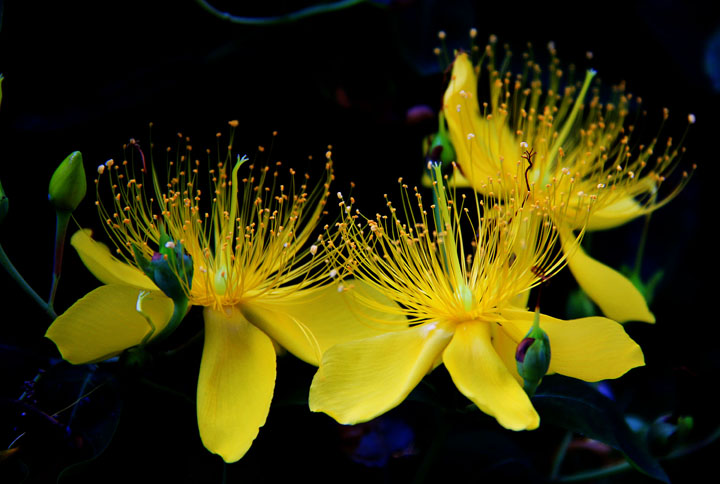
[[522, 132], [253, 272], [458, 298]]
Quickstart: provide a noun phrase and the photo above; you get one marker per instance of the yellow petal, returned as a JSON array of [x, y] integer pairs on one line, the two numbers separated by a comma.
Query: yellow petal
[[108, 269], [614, 294], [480, 375], [235, 387], [105, 322], [359, 380], [310, 324], [506, 347], [615, 214], [590, 349], [478, 143]]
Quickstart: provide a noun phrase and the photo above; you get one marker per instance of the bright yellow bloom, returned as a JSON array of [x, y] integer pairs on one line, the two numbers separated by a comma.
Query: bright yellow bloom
[[522, 132], [254, 271], [459, 297]]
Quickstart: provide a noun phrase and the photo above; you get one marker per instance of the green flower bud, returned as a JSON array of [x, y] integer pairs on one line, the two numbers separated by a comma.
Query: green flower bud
[[68, 184], [441, 149], [532, 356], [170, 269], [4, 202]]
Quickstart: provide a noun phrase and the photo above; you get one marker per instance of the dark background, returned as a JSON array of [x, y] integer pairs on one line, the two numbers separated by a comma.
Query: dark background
[[89, 78]]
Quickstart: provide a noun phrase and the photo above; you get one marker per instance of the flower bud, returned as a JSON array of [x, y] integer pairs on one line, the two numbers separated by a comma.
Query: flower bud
[[170, 269], [68, 184], [533, 356], [441, 149]]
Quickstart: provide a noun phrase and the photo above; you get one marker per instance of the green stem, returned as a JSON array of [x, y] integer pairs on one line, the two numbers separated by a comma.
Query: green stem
[[179, 309], [641, 247], [61, 224], [560, 455], [5, 262], [625, 466], [596, 473], [442, 429], [280, 19]]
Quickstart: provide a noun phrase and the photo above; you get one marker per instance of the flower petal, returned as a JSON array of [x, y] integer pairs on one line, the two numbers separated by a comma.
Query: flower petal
[[506, 348], [310, 324], [616, 296], [480, 375], [108, 269], [106, 322], [236, 383], [590, 349], [615, 214], [359, 380], [479, 144]]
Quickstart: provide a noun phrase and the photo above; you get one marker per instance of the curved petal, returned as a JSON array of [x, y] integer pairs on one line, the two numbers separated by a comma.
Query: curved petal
[[590, 349], [615, 214], [478, 155], [616, 296], [480, 375], [310, 324], [506, 348], [106, 322], [359, 380], [108, 269], [236, 383]]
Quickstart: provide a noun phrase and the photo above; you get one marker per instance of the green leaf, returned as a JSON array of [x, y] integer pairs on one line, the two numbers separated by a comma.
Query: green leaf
[[576, 406]]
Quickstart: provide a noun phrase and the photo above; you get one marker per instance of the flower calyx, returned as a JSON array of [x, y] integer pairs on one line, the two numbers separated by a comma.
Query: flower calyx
[[170, 268]]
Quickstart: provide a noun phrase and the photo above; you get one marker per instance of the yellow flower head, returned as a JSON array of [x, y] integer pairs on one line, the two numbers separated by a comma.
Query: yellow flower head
[[425, 264], [261, 280], [556, 133], [562, 134], [246, 233], [454, 268]]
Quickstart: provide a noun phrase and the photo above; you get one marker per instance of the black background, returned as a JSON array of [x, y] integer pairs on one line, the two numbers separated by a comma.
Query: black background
[[90, 77]]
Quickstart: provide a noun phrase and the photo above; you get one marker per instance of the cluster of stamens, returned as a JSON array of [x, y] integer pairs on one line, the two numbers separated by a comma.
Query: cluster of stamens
[[459, 258], [247, 235], [580, 143]]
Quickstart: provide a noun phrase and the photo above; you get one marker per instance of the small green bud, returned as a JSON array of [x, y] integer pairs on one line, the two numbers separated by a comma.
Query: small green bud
[[441, 149], [532, 356], [68, 184], [170, 269], [4, 203]]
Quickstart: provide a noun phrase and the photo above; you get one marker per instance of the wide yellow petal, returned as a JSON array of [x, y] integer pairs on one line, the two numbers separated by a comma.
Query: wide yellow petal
[[615, 214], [590, 349], [614, 294], [108, 269], [106, 322], [236, 383], [310, 324], [359, 380], [480, 375]]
